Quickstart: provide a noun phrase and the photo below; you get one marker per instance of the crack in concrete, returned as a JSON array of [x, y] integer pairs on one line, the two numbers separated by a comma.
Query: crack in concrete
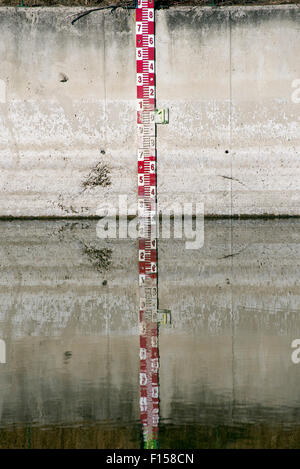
[[231, 178]]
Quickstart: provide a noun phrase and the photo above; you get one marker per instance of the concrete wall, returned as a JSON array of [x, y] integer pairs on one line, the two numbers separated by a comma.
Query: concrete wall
[[226, 74]]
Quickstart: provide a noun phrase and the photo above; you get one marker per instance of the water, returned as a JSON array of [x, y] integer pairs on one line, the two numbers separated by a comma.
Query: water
[[69, 319]]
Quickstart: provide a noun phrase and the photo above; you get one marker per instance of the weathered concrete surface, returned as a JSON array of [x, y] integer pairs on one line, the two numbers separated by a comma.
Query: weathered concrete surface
[[226, 74], [72, 342], [70, 105]]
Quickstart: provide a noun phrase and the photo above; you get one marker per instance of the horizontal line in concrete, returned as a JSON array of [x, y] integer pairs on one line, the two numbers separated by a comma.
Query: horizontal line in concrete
[[207, 216]]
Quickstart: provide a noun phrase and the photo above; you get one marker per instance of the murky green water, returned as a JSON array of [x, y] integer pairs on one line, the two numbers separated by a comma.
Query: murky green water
[[68, 316]]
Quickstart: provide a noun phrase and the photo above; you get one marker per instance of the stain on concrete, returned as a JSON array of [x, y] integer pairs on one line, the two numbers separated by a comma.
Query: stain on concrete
[[200, 20], [100, 258], [67, 209], [99, 176], [63, 78], [255, 16], [67, 355]]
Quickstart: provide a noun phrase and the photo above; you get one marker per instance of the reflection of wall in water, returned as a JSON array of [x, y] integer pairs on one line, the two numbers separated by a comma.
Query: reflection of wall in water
[[55, 300]]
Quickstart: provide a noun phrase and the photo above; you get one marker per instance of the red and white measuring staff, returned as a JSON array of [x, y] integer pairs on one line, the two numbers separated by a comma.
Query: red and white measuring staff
[[149, 358]]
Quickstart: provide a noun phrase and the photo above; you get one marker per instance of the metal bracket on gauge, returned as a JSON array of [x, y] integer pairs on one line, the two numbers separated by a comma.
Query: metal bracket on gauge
[[162, 116], [164, 317]]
